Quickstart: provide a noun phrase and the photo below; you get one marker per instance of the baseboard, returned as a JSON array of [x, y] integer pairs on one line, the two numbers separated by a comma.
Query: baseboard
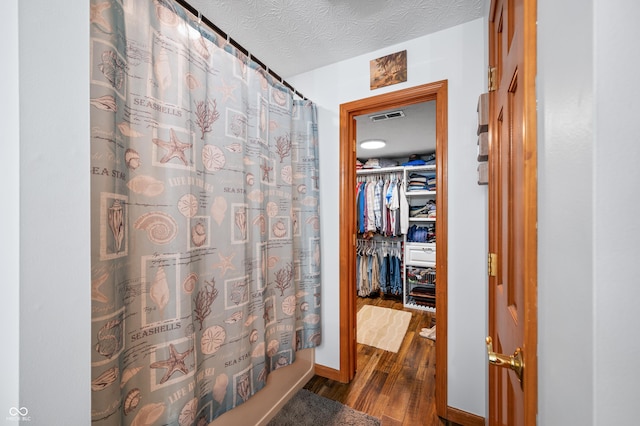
[[329, 373], [464, 418]]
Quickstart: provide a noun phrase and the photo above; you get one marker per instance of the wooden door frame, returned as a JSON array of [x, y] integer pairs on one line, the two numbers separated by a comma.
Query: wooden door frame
[[436, 91], [530, 344]]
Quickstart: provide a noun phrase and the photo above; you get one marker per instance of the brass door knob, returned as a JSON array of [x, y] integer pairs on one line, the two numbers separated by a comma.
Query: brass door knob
[[514, 362]]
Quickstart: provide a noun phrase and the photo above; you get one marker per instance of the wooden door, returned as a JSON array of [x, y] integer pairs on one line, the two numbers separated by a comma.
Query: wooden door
[[512, 212]]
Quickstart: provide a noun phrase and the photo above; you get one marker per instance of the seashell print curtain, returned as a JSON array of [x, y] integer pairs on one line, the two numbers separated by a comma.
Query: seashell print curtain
[[205, 226]]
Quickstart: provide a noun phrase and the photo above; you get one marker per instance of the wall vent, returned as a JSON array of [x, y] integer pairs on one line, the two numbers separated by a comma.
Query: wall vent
[[387, 115]]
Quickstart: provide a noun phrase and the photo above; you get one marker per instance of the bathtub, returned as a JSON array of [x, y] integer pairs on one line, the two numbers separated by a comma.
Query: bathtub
[[282, 384]]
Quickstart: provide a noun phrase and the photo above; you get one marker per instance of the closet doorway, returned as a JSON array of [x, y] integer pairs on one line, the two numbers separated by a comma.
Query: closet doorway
[[436, 92]]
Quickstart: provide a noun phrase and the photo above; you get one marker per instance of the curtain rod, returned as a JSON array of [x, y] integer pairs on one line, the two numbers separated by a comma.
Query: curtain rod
[[237, 45]]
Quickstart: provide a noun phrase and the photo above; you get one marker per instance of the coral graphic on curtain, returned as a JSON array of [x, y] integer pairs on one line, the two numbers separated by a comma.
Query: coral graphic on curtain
[[205, 226]]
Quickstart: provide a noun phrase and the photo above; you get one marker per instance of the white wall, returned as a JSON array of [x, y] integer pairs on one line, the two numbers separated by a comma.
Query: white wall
[[456, 55], [588, 227], [54, 211], [10, 195], [565, 231], [617, 227]]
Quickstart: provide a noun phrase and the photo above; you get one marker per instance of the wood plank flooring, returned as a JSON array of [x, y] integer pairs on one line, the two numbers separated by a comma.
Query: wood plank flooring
[[398, 388]]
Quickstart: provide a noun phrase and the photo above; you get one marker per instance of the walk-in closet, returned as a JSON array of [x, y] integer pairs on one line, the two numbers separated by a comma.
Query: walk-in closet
[[396, 205]]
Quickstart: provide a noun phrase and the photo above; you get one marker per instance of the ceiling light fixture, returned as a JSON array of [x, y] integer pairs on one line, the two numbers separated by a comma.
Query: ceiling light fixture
[[373, 144]]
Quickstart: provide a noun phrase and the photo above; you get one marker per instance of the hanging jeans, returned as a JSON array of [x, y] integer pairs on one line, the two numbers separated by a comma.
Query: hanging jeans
[[395, 275], [385, 285]]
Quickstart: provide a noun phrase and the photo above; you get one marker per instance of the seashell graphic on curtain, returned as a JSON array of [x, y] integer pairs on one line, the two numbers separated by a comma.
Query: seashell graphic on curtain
[[205, 219], [116, 223], [198, 234], [159, 290], [161, 227]]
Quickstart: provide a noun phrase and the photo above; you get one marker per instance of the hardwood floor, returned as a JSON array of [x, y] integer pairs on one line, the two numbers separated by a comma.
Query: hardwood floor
[[398, 388]]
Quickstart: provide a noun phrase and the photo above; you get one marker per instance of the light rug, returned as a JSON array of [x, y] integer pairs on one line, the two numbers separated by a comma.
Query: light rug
[[306, 408], [382, 328]]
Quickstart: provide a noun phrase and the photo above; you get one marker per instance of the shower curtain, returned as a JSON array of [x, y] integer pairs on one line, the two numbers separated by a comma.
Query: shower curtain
[[205, 225]]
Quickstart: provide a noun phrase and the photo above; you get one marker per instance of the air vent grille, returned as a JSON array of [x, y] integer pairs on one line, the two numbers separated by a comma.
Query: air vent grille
[[387, 115]]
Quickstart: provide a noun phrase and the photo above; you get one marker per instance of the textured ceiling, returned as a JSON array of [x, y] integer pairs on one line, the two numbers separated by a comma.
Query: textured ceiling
[[295, 36]]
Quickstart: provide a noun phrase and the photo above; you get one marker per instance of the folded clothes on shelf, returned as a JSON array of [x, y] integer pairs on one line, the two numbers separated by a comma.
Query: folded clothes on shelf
[[427, 210], [421, 160], [422, 181], [422, 234]]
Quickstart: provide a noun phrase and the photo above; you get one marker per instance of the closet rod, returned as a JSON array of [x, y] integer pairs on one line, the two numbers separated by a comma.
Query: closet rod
[[237, 45], [380, 171]]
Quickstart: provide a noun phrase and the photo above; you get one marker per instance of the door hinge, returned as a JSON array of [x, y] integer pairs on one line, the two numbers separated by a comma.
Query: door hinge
[[492, 79], [354, 240], [492, 264], [354, 145]]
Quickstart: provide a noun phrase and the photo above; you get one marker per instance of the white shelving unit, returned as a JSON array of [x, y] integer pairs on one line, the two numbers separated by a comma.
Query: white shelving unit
[[419, 257]]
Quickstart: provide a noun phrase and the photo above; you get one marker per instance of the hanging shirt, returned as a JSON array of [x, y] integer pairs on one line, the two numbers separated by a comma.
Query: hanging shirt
[[361, 204], [370, 195], [404, 209], [377, 204], [393, 203], [385, 211]]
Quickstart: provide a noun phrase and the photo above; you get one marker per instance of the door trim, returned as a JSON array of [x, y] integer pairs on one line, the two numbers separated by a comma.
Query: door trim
[[436, 91], [531, 214]]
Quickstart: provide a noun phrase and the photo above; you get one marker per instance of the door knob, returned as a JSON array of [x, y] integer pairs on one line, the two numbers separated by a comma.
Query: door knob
[[514, 362]]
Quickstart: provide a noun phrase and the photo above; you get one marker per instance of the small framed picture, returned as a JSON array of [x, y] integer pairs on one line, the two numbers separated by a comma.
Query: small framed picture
[[388, 70]]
